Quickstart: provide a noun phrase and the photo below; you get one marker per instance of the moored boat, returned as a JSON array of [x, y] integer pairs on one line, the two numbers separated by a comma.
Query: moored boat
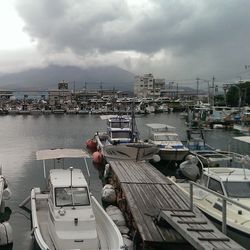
[[66, 215], [209, 156], [165, 137], [121, 140], [231, 183]]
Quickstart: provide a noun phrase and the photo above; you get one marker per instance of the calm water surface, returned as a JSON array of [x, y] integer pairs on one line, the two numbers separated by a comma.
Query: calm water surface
[[22, 136]]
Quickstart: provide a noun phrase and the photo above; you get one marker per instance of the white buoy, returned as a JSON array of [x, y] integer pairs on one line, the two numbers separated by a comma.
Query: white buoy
[[156, 158]]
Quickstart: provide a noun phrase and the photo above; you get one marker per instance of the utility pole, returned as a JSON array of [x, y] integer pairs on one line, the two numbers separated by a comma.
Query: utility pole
[[153, 89], [197, 90], [101, 88], [213, 80], [74, 91], [85, 86]]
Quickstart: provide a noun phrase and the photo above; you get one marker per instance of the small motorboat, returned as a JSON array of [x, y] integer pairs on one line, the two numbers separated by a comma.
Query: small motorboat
[[165, 137], [209, 156], [121, 140], [66, 215], [232, 183]]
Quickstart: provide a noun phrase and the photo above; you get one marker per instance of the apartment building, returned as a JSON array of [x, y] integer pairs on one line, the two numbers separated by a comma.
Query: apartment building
[[148, 86]]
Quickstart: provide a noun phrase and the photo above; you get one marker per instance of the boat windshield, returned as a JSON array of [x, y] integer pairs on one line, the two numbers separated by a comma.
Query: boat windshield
[[236, 189], [119, 124], [75, 196], [166, 138], [121, 134]]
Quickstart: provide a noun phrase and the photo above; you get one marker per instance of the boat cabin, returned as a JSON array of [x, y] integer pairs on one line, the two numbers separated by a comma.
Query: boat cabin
[[162, 134], [63, 193], [231, 182], [119, 129], [119, 122], [70, 211]]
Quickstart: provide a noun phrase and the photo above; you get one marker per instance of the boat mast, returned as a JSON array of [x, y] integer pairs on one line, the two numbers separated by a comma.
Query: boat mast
[[133, 125]]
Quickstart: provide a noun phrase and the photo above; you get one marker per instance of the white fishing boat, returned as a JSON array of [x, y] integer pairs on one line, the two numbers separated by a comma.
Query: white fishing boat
[[119, 130], [165, 137], [138, 151], [121, 140], [36, 112], [66, 215], [209, 156], [232, 183], [243, 125], [58, 111]]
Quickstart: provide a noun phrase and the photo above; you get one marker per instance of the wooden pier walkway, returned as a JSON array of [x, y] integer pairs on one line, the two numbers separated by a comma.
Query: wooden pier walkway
[[159, 212]]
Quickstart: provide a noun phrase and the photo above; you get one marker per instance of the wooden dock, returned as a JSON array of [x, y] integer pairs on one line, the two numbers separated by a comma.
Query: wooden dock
[[158, 212]]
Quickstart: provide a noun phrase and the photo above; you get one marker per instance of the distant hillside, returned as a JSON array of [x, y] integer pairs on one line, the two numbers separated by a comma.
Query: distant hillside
[[47, 78]]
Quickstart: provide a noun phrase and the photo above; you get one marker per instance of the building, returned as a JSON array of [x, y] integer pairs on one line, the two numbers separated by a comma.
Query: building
[[59, 96], [148, 86], [5, 94]]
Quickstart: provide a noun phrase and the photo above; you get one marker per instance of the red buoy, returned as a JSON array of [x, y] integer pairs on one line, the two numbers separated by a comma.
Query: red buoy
[[91, 144], [97, 157]]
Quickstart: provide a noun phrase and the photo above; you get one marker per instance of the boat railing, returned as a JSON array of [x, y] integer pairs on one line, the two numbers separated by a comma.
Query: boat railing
[[235, 156], [232, 157], [224, 202]]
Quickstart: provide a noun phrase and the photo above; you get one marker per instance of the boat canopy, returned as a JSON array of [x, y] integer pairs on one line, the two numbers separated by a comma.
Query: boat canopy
[[48, 154], [106, 117], [160, 127], [243, 139]]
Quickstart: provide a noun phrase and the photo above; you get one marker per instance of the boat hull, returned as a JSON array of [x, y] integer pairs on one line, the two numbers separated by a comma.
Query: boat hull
[[173, 155], [108, 233], [209, 205], [130, 151], [241, 237]]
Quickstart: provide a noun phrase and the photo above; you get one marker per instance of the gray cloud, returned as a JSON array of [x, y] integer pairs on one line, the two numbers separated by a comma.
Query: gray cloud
[[173, 39]]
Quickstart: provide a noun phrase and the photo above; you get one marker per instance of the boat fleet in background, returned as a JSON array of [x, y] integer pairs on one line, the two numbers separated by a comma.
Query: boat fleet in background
[[199, 114]]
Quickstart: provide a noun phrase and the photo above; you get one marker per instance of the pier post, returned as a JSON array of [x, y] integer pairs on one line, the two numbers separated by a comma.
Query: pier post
[[224, 216]]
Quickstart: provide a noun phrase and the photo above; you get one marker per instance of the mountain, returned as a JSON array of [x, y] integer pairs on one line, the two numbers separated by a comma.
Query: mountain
[[47, 78]]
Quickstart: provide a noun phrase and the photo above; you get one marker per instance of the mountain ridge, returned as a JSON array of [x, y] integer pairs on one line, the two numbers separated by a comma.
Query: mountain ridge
[[46, 78]]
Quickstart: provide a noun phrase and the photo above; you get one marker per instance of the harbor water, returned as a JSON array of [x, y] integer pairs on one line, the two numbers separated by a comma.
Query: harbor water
[[21, 136]]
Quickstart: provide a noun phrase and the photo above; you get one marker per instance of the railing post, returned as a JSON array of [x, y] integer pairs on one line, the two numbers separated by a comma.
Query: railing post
[[224, 216], [191, 196]]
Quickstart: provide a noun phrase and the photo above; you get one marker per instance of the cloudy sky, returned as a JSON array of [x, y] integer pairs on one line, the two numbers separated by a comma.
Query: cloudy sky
[[178, 40]]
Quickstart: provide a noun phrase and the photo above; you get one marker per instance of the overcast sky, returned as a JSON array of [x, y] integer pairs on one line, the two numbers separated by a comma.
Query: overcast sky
[[173, 39]]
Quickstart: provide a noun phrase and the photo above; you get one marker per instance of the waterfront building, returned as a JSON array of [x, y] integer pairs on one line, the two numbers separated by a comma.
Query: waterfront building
[[59, 96], [5, 94], [148, 86]]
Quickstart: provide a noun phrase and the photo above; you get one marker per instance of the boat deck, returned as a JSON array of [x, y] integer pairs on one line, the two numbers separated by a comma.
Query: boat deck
[[150, 194], [42, 215]]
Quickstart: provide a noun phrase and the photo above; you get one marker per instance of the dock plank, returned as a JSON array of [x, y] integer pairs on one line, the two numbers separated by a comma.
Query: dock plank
[[201, 240], [148, 193]]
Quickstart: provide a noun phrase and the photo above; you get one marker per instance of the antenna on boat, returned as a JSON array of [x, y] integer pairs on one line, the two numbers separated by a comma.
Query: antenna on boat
[[71, 183], [133, 125]]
